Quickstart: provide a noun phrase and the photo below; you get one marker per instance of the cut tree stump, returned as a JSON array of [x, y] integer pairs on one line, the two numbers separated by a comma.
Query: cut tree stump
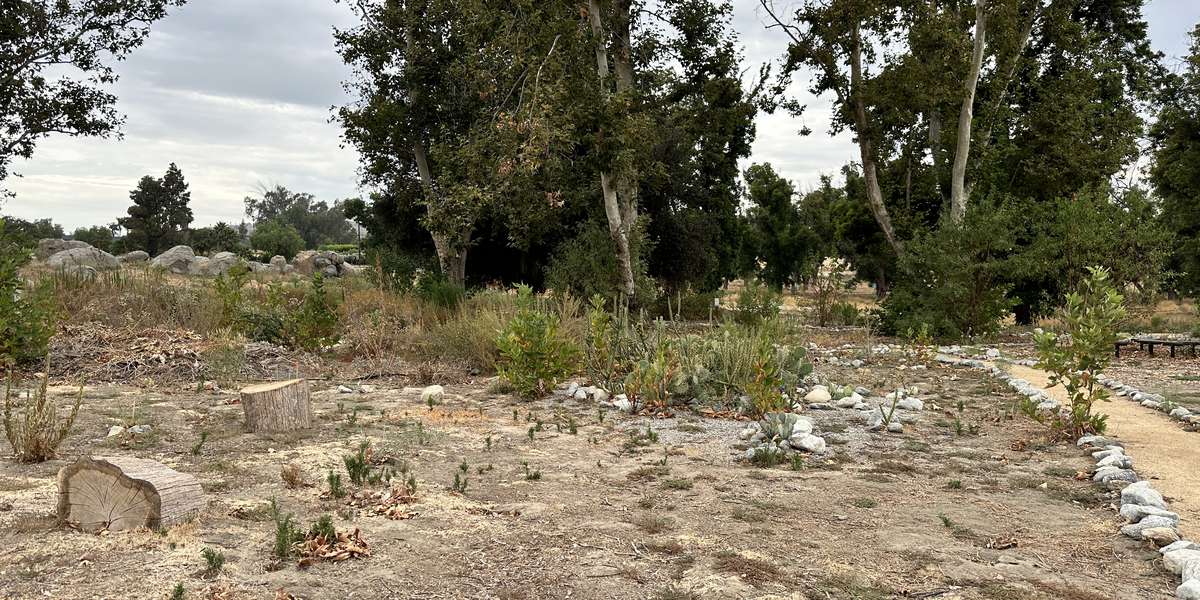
[[277, 406], [120, 493]]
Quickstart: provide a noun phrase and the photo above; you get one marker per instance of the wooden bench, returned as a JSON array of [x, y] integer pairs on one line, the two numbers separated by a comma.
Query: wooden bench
[[1121, 344], [1148, 344]]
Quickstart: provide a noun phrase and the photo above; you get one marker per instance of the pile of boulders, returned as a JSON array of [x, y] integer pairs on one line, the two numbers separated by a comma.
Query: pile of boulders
[[1151, 401], [82, 259], [1147, 515], [784, 433]]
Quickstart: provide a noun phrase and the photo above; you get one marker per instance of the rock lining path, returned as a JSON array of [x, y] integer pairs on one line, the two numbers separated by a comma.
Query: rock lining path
[[1161, 451]]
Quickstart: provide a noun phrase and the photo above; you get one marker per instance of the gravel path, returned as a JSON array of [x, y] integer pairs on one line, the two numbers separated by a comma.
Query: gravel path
[[1160, 449]]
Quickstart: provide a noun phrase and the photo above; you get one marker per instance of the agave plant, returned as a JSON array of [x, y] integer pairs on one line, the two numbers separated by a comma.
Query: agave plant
[[778, 425]]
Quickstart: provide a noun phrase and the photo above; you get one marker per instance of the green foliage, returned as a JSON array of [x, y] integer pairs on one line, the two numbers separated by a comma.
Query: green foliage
[[783, 246], [160, 214], [436, 290], [315, 222], [97, 236], [577, 267], [952, 280], [1091, 318], [274, 238], [316, 324], [534, 353], [25, 316], [213, 559], [287, 532], [23, 235], [830, 285], [756, 304], [323, 529], [58, 69], [655, 378], [32, 425], [335, 484], [359, 467], [177, 593], [218, 238]]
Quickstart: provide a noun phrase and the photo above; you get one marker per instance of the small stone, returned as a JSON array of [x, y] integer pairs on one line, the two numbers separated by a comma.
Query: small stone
[[895, 427], [433, 393], [911, 404], [140, 429], [622, 403], [747, 433], [345, 390], [1180, 413], [862, 391], [115, 430], [1116, 460], [366, 389], [1175, 560], [1141, 493], [1135, 512], [856, 363], [1134, 530], [580, 394], [818, 395], [600, 395], [820, 406], [1160, 536], [1190, 590], [1113, 474], [1092, 440], [809, 443]]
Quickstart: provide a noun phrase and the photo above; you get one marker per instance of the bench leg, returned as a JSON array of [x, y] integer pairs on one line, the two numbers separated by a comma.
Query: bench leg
[[1117, 350], [1172, 351]]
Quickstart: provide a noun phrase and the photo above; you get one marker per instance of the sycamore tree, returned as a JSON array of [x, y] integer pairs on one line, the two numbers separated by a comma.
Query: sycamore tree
[[57, 65]]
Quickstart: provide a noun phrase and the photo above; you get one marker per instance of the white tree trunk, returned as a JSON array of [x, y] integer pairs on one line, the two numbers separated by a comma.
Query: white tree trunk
[[122, 493], [619, 189], [962, 150]]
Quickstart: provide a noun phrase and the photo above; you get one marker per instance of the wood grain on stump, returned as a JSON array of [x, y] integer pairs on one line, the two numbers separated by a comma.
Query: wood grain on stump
[[121, 493], [277, 406]]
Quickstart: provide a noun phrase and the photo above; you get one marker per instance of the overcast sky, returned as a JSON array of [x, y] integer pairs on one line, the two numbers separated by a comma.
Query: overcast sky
[[238, 94]]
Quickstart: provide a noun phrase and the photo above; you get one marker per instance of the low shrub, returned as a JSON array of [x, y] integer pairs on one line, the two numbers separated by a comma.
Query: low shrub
[[1091, 317], [32, 425], [534, 353], [843, 314], [26, 322], [756, 304]]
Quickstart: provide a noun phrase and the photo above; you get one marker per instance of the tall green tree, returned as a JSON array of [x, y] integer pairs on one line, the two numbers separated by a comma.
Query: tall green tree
[[160, 214], [782, 245], [56, 67], [1175, 171], [317, 221], [450, 107], [221, 237]]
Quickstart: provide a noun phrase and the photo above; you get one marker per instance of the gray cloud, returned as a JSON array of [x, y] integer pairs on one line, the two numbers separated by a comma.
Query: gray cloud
[[237, 92]]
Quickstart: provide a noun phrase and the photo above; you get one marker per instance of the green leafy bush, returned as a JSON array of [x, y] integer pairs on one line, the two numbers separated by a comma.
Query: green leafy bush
[[756, 303], [25, 316], [654, 379], [952, 280], [316, 323], [534, 354], [1091, 317], [275, 238]]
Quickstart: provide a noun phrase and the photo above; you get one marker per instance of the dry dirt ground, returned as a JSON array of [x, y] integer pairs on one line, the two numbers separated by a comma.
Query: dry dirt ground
[[993, 512]]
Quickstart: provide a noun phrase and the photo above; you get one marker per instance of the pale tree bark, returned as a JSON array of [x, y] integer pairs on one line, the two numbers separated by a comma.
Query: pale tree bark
[[874, 193], [619, 188], [962, 150], [451, 247]]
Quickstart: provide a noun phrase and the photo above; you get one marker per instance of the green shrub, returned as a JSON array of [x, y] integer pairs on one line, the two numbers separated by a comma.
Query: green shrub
[[213, 559], [832, 280], [952, 280], [25, 315], [756, 303], [316, 323], [534, 354], [654, 379], [1091, 317], [275, 238], [577, 267], [843, 313], [436, 290], [688, 306], [287, 533]]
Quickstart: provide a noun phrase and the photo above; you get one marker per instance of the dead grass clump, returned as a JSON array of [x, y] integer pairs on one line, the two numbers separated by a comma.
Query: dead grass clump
[[292, 476], [753, 570], [129, 297], [32, 425], [895, 467], [648, 473], [652, 524]]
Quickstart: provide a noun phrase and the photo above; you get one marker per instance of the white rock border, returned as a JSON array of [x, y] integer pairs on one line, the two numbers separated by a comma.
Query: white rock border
[[1146, 513], [1151, 401]]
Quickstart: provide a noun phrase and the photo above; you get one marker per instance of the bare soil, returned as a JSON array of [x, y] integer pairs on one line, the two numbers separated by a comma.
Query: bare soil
[[993, 513]]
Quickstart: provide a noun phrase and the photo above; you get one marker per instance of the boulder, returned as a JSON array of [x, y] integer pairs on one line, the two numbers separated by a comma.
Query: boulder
[[279, 264], [85, 256], [1160, 536], [433, 393], [177, 260], [326, 263], [1142, 494], [135, 257], [221, 262], [819, 395], [1190, 590], [257, 267], [1176, 560], [49, 247], [1135, 512], [1135, 530], [808, 442], [199, 265]]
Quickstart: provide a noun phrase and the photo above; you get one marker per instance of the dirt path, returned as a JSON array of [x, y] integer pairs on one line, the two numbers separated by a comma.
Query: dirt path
[[1161, 451]]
